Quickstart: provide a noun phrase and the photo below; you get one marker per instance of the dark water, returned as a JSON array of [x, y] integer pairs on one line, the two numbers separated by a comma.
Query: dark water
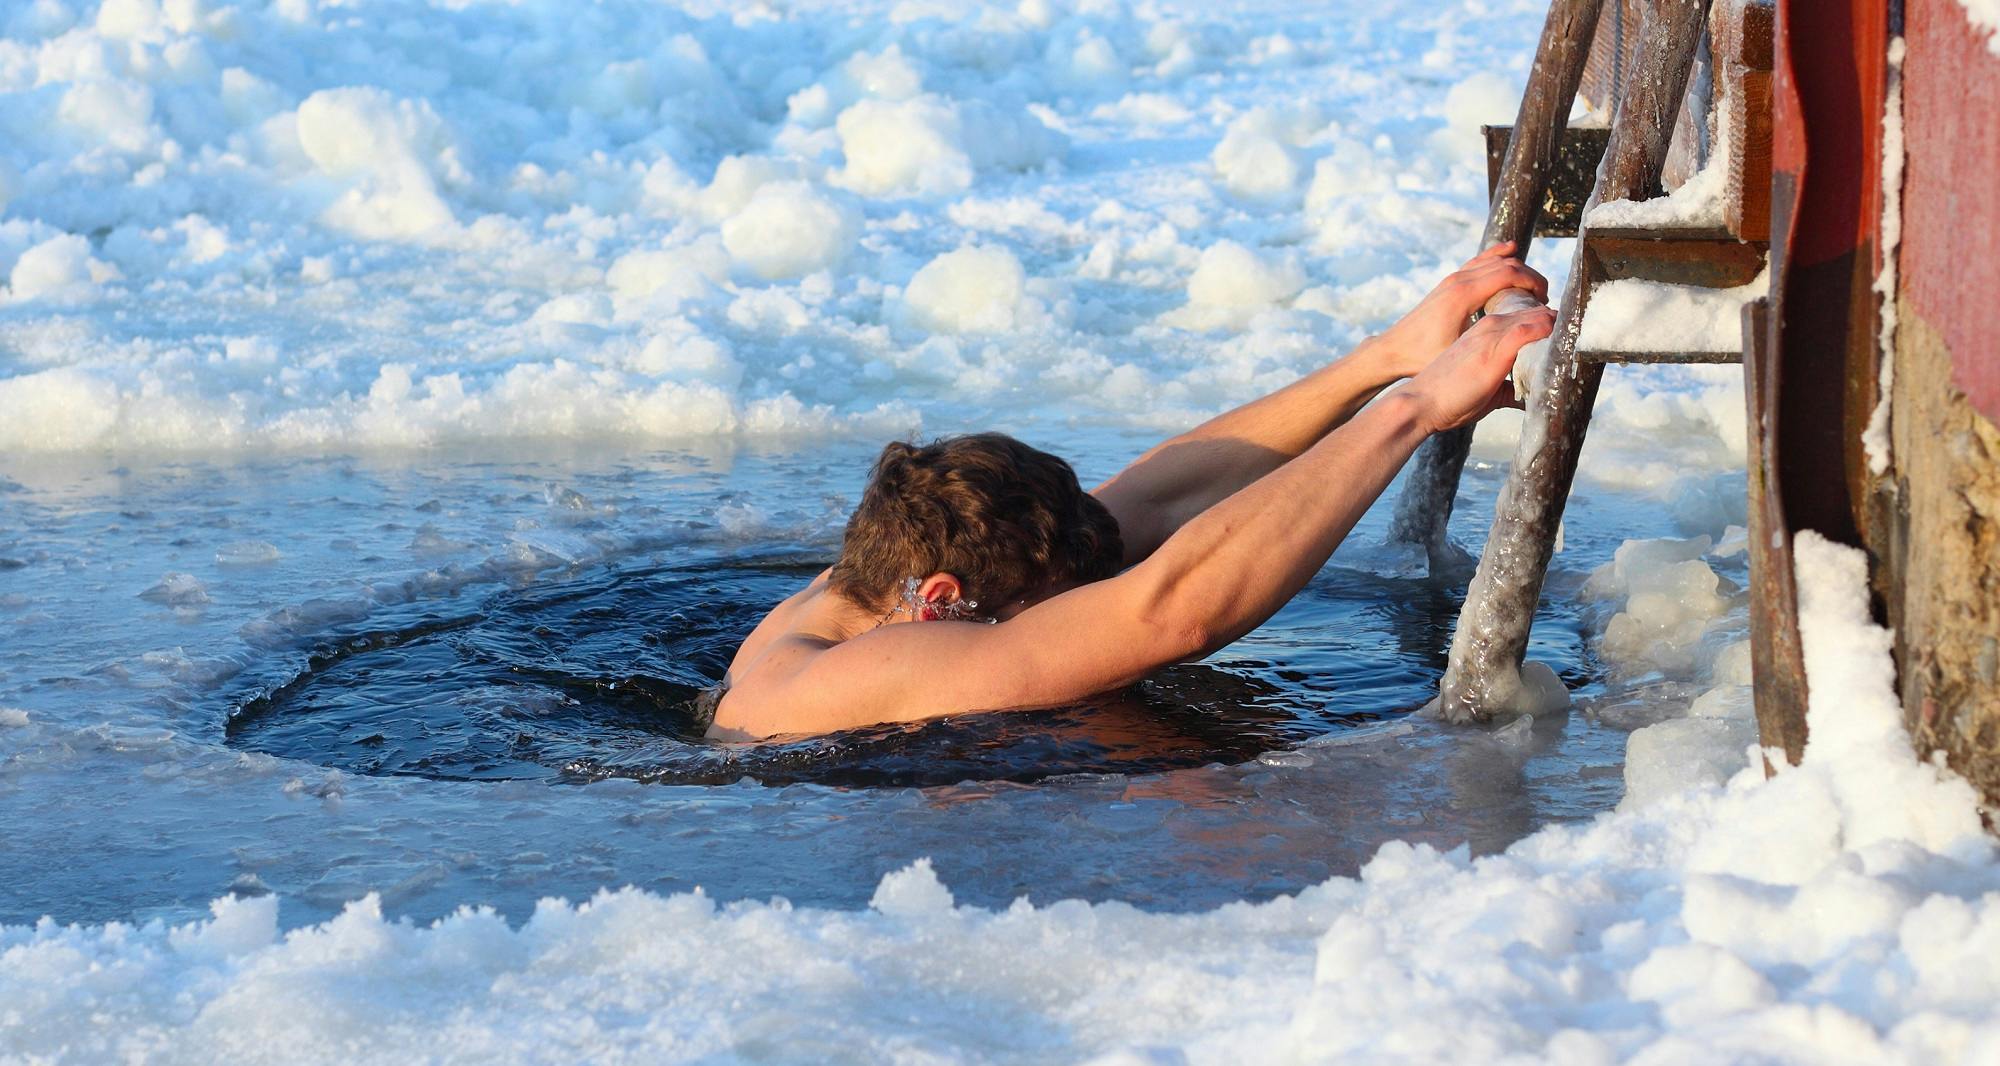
[[610, 674]]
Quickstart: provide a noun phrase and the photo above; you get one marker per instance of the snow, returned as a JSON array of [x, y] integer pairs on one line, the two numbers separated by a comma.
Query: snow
[[1485, 98], [389, 159], [1231, 284], [1697, 203], [1666, 599], [1875, 438], [1985, 18], [787, 230], [930, 146], [970, 290], [1629, 315], [1256, 157], [655, 224], [1530, 364], [59, 266], [1665, 759]]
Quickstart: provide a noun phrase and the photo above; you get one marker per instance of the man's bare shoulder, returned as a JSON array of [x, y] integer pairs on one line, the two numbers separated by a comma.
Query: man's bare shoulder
[[757, 691]]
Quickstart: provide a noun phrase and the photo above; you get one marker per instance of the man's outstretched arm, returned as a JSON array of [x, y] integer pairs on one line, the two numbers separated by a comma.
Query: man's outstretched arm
[[1188, 474], [1220, 576]]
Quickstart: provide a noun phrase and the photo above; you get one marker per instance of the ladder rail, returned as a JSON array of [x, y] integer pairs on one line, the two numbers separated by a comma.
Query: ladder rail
[[1423, 510], [1483, 675]]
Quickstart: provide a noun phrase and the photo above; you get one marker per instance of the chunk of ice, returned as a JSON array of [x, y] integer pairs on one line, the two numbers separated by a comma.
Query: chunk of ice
[[177, 589]]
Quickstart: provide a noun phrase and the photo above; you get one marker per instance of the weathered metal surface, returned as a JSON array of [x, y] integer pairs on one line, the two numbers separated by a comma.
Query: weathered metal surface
[[1708, 258], [1577, 155], [1483, 675], [1836, 57], [1951, 193], [1777, 663], [1423, 511]]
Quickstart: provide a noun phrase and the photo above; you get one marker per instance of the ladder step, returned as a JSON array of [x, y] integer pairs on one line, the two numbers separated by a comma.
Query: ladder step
[[1659, 357], [1705, 257]]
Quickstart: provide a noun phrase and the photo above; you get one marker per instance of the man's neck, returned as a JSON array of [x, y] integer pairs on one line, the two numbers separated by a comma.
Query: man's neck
[[841, 618]]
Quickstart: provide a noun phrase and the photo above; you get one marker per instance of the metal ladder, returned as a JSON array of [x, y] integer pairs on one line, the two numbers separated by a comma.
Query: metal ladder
[[1483, 676]]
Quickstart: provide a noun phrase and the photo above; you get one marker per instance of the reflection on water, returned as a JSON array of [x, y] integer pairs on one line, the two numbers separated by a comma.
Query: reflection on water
[[612, 674]]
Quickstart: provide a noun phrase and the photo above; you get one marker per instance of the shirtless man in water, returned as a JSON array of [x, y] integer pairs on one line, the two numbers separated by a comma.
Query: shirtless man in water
[[977, 575]]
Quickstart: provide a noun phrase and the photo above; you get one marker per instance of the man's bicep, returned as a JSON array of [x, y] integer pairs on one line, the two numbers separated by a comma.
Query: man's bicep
[[1139, 519], [1085, 641]]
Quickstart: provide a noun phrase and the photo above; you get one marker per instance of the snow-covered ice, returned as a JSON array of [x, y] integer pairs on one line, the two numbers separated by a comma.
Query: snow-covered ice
[[318, 317]]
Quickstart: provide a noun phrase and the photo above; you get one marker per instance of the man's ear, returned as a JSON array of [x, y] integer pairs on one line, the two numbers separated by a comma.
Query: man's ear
[[940, 588]]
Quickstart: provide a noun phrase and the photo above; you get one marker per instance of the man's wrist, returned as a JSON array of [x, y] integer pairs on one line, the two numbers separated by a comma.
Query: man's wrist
[[1383, 357], [1409, 415]]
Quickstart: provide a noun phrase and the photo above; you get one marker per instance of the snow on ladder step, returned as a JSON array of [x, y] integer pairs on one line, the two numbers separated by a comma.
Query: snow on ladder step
[[1667, 294]]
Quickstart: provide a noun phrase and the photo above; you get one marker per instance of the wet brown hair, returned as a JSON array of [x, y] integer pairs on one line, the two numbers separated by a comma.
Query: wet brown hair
[[1009, 521]]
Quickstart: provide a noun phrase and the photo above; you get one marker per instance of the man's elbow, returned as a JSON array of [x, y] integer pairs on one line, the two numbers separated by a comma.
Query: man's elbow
[[1175, 618], [1180, 630], [1194, 639]]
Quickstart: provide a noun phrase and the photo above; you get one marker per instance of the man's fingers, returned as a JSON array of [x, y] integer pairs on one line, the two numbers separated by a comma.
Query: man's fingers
[[1538, 312], [1501, 274], [1523, 327], [1536, 283], [1495, 252], [1511, 300], [1510, 330]]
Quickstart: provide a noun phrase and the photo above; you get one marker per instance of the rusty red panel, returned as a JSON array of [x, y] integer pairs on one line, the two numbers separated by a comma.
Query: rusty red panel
[[1950, 261], [1827, 103], [1827, 99]]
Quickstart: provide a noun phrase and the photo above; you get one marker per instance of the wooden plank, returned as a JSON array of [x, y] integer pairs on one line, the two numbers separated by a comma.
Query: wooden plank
[[1611, 52], [1743, 31], [1692, 143], [1746, 107]]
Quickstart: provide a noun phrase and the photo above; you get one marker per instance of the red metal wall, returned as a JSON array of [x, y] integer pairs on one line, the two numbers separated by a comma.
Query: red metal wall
[[1950, 259]]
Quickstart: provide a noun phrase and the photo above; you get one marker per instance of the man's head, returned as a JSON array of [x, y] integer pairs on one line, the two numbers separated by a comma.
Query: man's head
[[1006, 522]]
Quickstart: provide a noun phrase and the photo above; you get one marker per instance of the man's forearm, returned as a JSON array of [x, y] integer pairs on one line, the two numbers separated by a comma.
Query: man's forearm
[[1295, 417], [1187, 474], [1232, 567]]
